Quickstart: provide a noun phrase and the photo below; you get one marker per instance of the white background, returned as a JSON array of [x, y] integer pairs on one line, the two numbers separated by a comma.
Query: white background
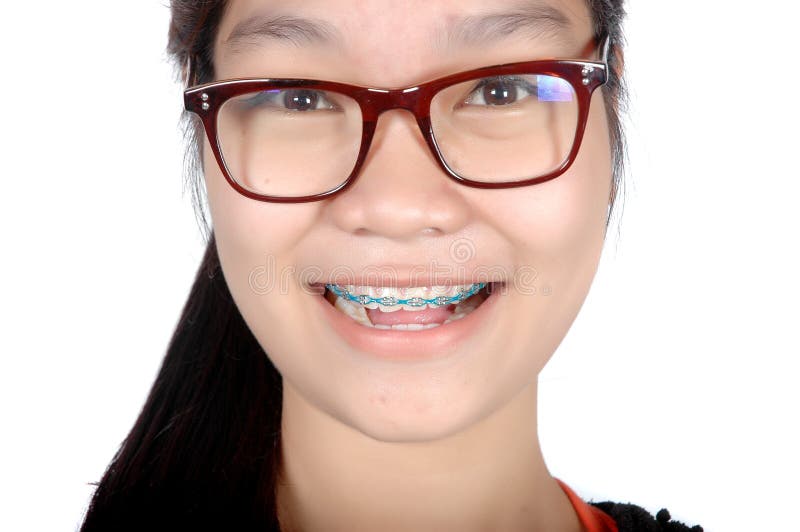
[[675, 387]]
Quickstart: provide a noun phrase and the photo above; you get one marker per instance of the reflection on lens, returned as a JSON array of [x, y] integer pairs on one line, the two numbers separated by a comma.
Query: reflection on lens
[[505, 128], [290, 142]]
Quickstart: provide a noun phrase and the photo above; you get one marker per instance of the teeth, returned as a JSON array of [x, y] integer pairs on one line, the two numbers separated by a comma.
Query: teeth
[[455, 317], [414, 296], [353, 310], [358, 313], [406, 326]]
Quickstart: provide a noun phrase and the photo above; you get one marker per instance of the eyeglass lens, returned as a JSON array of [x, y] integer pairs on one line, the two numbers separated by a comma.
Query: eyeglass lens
[[294, 142]]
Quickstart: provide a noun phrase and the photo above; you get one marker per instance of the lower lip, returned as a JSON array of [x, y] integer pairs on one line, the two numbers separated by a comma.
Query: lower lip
[[410, 346]]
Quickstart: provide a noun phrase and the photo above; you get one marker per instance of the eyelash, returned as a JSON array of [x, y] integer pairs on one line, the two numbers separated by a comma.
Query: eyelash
[[273, 98], [277, 98], [518, 83]]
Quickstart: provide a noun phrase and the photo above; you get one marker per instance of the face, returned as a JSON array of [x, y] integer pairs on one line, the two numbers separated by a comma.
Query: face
[[405, 225]]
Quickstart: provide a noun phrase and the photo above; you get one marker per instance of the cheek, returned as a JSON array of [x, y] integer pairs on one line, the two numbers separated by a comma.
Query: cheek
[[579, 206], [565, 218], [558, 229], [257, 244], [244, 226]]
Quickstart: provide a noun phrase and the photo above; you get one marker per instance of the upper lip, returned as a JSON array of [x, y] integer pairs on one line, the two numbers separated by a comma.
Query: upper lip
[[404, 277]]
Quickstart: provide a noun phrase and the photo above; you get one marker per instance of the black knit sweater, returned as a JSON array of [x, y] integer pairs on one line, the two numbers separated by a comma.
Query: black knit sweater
[[632, 518]]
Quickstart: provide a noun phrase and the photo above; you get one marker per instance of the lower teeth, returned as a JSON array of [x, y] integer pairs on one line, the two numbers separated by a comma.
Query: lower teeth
[[406, 326]]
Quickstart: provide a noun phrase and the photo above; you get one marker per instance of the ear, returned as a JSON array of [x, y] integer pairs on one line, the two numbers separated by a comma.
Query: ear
[[612, 196], [618, 62], [617, 66]]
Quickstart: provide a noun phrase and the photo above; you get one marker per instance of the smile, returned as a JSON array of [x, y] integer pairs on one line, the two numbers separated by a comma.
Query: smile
[[407, 309]]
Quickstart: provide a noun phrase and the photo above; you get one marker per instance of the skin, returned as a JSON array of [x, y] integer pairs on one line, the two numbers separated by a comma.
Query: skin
[[446, 445]]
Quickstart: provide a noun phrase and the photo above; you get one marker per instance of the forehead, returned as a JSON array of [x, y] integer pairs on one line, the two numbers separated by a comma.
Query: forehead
[[393, 38]]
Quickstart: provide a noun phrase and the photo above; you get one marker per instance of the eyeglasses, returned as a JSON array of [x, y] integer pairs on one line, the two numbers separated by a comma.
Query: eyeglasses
[[299, 140]]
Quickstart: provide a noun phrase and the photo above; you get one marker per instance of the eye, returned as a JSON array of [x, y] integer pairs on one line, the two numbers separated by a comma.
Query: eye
[[500, 91], [294, 100]]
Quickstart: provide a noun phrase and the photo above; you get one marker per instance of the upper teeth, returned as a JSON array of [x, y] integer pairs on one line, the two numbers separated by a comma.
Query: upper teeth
[[411, 298]]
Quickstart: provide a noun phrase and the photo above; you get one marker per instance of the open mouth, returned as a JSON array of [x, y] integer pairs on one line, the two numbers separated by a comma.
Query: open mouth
[[408, 309]]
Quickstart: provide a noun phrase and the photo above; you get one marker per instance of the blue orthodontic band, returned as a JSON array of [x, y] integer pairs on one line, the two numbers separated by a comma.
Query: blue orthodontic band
[[389, 301]]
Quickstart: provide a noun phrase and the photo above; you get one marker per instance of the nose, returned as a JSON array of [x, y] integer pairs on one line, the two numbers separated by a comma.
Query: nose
[[401, 192]]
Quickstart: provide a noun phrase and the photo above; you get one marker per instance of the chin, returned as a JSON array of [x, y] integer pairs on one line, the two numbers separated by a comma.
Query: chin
[[413, 425]]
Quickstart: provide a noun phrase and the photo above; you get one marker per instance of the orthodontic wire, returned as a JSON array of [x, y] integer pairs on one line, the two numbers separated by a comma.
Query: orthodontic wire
[[389, 301]]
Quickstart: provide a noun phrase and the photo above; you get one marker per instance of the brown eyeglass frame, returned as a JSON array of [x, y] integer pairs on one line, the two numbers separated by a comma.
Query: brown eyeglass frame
[[584, 76]]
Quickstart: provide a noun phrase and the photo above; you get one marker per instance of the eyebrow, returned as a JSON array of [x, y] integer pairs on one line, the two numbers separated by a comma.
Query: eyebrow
[[534, 17], [286, 28]]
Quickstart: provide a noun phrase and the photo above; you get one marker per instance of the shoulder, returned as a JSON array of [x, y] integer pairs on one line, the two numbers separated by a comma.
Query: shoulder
[[632, 518]]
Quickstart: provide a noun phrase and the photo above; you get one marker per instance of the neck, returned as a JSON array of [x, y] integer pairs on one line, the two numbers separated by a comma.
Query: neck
[[490, 476]]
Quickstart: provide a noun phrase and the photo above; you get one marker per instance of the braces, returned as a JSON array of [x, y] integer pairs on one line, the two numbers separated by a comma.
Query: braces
[[389, 301]]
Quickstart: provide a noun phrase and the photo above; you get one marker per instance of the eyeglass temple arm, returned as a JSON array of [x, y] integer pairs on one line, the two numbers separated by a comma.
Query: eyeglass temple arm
[[605, 47]]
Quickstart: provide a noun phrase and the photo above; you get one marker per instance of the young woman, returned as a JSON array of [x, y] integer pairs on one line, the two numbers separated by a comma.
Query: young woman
[[403, 233]]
